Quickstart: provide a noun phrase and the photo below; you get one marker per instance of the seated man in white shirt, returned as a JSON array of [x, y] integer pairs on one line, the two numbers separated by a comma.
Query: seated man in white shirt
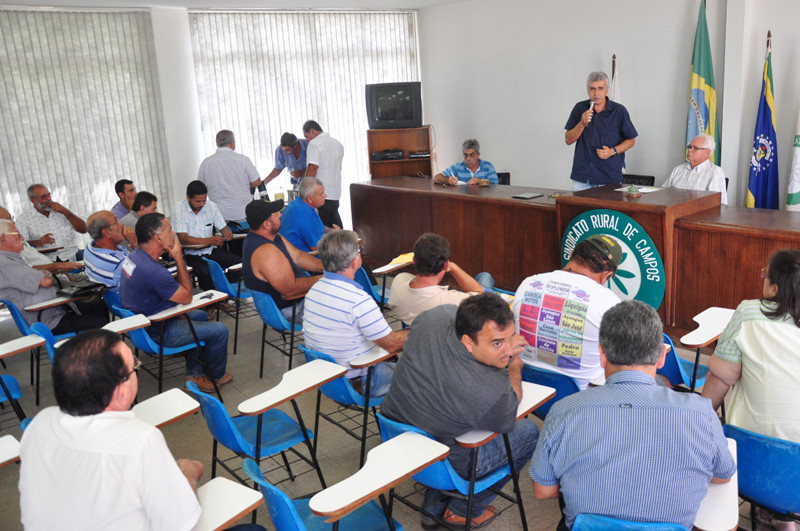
[[37, 260], [699, 173], [90, 463], [411, 295]]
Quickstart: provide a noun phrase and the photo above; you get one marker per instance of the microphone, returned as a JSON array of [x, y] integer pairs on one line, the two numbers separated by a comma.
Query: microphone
[[591, 105]]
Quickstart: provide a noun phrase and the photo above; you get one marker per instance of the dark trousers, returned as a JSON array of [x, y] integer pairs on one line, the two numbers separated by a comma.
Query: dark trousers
[[329, 213], [93, 315], [200, 267]]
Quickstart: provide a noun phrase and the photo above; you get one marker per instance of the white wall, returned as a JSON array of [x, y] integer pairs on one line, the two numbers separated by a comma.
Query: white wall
[[509, 71]]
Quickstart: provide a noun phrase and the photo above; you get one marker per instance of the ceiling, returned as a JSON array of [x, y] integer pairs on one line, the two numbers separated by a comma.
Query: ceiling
[[237, 4]]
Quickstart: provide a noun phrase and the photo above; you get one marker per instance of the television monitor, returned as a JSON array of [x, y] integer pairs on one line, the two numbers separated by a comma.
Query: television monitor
[[394, 105]]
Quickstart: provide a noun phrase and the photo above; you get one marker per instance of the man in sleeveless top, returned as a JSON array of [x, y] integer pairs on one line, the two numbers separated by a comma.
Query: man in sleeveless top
[[271, 264]]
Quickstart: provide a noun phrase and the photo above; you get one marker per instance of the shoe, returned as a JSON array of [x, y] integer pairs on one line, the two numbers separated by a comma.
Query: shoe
[[228, 307], [477, 521], [225, 379], [203, 382]]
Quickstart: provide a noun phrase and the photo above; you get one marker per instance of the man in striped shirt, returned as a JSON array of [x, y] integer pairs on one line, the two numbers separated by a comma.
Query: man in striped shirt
[[342, 320], [103, 257], [631, 449]]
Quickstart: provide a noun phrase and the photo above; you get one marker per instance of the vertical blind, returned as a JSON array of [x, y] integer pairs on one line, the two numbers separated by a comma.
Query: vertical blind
[[80, 107], [263, 73]]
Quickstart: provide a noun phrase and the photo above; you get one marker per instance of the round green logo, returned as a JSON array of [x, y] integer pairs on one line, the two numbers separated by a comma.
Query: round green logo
[[641, 275]]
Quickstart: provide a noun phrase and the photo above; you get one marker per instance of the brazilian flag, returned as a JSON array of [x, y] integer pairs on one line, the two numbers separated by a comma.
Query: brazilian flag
[[702, 94], [762, 190]]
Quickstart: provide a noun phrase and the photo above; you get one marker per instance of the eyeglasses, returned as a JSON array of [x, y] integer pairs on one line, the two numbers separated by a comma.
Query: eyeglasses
[[137, 363], [695, 148], [13, 233]]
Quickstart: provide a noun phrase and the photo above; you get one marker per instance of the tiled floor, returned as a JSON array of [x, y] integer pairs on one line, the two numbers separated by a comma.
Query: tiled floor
[[338, 452]]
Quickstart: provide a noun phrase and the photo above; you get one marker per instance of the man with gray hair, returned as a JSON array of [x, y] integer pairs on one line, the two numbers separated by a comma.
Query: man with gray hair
[[300, 223], [229, 177], [342, 320], [472, 171], [699, 173], [631, 449], [51, 223], [104, 255], [603, 132]]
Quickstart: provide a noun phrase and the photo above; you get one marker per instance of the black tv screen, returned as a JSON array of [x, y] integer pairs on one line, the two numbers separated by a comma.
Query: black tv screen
[[394, 105]]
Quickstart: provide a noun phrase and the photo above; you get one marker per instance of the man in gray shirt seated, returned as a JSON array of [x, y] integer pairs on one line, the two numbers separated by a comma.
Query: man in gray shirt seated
[[460, 370], [145, 203]]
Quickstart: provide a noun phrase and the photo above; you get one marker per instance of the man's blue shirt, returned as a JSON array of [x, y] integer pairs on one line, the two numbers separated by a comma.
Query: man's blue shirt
[[301, 225], [289, 161], [607, 128], [632, 449], [485, 171]]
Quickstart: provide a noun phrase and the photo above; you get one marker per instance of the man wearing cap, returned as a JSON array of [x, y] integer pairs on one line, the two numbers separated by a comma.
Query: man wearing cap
[[559, 312], [271, 264]]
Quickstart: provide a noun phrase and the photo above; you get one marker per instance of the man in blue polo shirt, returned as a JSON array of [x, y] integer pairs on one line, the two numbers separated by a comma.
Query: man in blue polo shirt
[[603, 132], [631, 449], [290, 155], [147, 287], [472, 170]]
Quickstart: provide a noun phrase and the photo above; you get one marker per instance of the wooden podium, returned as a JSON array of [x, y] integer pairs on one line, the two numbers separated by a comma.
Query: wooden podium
[[656, 212]]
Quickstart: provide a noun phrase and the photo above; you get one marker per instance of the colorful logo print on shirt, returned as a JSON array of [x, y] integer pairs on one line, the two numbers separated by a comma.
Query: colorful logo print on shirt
[[641, 275]]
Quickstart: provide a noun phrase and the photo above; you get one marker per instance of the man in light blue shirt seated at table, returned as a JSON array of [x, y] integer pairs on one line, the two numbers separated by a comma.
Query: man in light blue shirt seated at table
[[631, 449], [472, 170]]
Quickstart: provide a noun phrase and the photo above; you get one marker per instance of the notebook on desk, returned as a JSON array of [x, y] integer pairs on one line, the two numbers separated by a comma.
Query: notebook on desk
[[80, 289]]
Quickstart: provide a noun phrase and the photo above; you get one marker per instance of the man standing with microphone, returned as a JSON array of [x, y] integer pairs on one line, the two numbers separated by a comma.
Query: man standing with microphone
[[603, 131]]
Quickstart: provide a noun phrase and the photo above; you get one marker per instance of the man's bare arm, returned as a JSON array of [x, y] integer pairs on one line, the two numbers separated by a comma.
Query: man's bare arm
[[77, 223], [465, 281], [183, 295], [274, 173], [192, 240], [193, 470], [544, 492], [303, 259], [271, 266], [394, 341], [311, 170]]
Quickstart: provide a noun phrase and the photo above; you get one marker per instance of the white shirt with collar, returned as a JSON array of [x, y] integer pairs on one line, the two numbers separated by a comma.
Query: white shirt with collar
[[704, 177], [327, 153]]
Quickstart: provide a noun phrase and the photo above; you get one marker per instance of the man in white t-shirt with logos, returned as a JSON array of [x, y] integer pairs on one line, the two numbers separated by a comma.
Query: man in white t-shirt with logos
[[559, 312]]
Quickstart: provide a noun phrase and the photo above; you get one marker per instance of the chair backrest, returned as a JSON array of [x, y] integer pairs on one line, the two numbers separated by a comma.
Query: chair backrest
[[673, 370], [639, 180], [22, 325], [139, 337], [282, 512], [221, 282], [769, 469], [270, 314], [363, 280], [218, 420], [563, 384], [338, 390], [439, 475], [113, 301], [596, 522], [41, 330]]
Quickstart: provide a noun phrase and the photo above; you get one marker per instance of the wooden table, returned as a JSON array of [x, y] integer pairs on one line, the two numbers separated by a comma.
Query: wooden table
[[199, 300], [223, 502], [294, 383], [387, 465], [488, 230], [712, 323], [166, 408]]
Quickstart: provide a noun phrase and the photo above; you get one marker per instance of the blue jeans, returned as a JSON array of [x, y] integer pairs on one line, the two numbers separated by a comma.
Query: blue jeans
[[214, 334], [298, 313], [491, 456], [381, 379], [485, 280]]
